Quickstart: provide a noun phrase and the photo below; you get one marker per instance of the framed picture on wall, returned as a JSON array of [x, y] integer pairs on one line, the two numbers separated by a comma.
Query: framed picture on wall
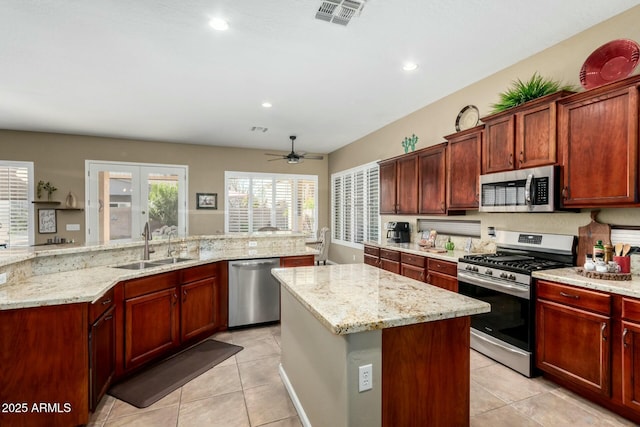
[[207, 200], [46, 221]]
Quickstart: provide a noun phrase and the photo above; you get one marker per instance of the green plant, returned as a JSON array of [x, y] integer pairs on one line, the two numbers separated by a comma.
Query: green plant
[[45, 186], [521, 92], [163, 204]]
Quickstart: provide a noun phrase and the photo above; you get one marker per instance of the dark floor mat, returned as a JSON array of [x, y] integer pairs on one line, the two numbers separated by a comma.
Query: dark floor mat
[[154, 383]]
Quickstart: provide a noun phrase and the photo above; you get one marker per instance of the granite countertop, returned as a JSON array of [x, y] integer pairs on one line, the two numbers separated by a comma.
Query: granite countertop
[[569, 276], [350, 298], [89, 284]]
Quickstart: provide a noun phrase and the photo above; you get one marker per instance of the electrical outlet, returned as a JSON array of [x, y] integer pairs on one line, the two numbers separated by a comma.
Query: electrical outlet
[[3, 278], [365, 380], [73, 227], [253, 243]]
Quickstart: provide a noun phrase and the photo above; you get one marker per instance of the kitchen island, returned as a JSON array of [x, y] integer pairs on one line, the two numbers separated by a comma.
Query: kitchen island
[[336, 319]]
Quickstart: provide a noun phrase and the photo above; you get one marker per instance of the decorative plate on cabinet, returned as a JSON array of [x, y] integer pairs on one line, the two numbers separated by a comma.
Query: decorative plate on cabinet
[[467, 118], [610, 62]]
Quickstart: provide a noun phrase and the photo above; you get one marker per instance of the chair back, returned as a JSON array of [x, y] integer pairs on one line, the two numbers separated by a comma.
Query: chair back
[[324, 236]]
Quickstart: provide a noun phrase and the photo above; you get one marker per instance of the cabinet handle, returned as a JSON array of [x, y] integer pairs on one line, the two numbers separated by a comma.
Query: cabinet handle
[[564, 294], [422, 275], [521, 157], [107, 301], [108, 318], [565, 193], [175, 298], [624, 337], [428, 277], [184, 292], [602, 329], [510, 159]]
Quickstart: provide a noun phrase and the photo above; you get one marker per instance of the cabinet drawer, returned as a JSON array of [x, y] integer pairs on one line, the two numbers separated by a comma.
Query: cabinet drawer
[[576, 297], [199, 272], [444, 267], [372, 250], [417, 260], [371, 260], [389, 254], [392, 266], [145, 285], [297, 261], [631, 309], [97, 308]]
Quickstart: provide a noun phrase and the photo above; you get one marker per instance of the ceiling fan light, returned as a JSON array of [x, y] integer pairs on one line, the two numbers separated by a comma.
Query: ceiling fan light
[[293, 161]]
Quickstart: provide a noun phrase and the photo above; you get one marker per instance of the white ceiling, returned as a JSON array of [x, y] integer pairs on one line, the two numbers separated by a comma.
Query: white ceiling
[[155, 70]]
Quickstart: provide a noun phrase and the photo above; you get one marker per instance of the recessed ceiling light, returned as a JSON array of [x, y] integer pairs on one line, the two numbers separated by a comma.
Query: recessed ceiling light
[[267, 105], [219, 24], [410, 66]]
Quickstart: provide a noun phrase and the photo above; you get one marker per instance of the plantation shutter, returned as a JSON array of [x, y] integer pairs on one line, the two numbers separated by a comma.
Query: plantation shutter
[[373, 203], [238, 204], [337, 208], [359, 206], [306, 203], [15, 206], [348, 208], [283, 208]]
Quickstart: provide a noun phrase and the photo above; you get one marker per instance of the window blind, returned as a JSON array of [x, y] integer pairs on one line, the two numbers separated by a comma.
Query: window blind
[[16, 212]]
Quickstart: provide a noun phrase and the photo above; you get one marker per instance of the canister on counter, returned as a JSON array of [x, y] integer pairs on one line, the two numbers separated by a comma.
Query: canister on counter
[[598, 251], [608, 252]]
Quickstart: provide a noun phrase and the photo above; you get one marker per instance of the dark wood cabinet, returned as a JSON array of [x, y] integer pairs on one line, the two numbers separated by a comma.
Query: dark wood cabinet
[[200, 301], [399, 185], [521, 137], [151, 318], [598, 137], [573, 331], [102, 346], [463, 169], [297, 261], [443, 274], [413, 266], [372, 255], [390, 260], [630, 325], [432, 179]]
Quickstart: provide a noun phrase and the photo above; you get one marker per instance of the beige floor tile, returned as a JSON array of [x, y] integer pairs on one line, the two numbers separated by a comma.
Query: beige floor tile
[[550, 410], [502, 417], [223, 337], [161, 417], [248, 336], [216, 381], [481, 400], [507, 384], [289, 422], [227, 410], [479, 360], [607, 416], [102, 411], [258, 349], [121, 408], [260, 372], [268, 403]]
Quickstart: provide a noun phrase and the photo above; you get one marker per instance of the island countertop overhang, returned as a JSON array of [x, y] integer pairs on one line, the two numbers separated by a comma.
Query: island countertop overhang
[[351, 298]]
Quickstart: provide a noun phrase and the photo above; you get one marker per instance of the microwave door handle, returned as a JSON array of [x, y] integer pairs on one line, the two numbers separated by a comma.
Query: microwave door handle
[[527, 190]]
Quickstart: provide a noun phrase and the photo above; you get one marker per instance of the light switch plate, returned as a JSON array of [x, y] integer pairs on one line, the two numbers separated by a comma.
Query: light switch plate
[[73, 227]]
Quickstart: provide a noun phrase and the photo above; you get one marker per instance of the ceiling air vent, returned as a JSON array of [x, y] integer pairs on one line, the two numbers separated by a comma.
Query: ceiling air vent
[[258, 129], [339, 11]]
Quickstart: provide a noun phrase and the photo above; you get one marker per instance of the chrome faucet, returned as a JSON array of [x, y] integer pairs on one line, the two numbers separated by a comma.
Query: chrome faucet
[[169, 250], [147, 236]]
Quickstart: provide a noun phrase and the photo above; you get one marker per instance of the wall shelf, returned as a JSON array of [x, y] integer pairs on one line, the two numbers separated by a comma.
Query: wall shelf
[[53, 204]]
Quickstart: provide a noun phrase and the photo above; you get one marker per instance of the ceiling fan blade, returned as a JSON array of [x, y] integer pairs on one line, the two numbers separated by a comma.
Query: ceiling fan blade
[[281, 158], [312, 157], [278, 155]]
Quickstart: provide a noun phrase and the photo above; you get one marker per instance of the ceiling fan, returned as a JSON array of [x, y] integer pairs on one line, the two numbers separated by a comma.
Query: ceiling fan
[[294, 158]]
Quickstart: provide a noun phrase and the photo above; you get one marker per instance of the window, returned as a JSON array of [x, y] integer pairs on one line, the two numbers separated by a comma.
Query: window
[[355, 205], [16, 209], [122, 197], [255, 200]]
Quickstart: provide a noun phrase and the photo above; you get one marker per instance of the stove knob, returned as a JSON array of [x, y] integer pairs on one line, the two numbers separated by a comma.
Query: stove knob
[[468, 267], [488, 272], [512, 277], [503, 275], [475, 268]]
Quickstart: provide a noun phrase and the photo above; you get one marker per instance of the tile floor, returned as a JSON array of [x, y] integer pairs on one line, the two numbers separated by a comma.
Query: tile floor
[[246, 391]]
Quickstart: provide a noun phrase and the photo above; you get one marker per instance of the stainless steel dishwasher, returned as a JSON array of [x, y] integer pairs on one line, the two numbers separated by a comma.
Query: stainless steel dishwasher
[[254, 294]]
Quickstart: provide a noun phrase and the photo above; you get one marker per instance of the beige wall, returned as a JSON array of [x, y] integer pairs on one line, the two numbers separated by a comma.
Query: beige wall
[[562, 62], [60, 159]]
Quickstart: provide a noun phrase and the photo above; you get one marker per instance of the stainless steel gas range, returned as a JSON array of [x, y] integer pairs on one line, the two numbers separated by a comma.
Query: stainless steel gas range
[[506, 334]]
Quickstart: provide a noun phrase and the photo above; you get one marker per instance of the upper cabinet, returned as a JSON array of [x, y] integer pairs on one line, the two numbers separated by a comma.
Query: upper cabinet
[[432, 180], [598, 137], [463, 169], [521, 137], [399, 185]]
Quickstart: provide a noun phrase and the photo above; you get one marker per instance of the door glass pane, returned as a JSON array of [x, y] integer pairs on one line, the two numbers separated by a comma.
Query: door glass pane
[[115, 192], [163, 203]]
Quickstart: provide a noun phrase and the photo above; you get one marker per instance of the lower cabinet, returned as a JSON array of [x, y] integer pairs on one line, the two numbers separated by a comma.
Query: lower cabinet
[[413, 266], [390, 260], [200, 295], [297, 261], [589, 342], [372, 255], [443, 274], [102, 356]]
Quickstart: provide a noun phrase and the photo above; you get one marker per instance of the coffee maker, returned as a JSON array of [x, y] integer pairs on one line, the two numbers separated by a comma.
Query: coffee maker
[[397, 232]]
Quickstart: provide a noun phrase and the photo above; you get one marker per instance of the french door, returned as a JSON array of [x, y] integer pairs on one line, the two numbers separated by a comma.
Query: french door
[[122, 197]]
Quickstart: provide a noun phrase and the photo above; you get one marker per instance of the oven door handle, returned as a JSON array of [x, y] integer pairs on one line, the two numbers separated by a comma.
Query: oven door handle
[[517, 291], [502, 347]]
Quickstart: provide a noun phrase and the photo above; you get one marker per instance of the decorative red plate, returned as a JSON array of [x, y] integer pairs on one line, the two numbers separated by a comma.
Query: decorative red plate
[[610, 62]]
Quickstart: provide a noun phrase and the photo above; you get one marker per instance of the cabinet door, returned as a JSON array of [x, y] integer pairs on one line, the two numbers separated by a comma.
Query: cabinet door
[[388, 187], [198, 310], [412, 272], [297, 261], [432, 180], [536, 136], [463, 171], [573, 344], [151, 326], [498, 147], [631, 364], [102, 350], [598, 136], [392, 266], [407, 185]]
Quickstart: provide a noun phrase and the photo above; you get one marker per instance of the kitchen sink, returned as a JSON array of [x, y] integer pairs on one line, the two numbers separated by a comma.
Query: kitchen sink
[[170, 260], [138, 265]]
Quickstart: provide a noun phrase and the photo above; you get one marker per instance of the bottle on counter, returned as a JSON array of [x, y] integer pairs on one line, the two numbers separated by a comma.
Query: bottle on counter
[[608, 252], [598, 251]]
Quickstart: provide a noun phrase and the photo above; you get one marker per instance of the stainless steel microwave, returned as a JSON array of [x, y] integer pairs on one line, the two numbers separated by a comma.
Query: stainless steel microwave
[[522, 190]]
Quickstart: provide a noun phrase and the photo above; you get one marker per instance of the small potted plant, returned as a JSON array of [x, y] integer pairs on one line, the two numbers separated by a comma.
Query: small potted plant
[[46, 186], [521, 92]]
